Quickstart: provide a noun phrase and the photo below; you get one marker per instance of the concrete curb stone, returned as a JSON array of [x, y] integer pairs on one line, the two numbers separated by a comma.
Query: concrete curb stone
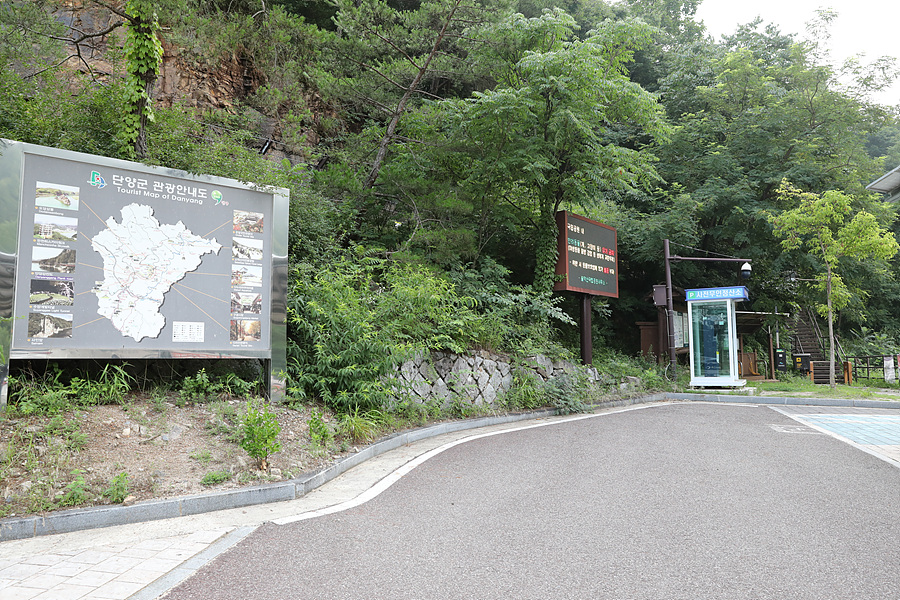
[[151, 510], [783, 400]]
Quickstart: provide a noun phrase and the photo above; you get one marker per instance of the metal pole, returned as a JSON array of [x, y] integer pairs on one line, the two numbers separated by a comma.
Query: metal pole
[[670, 310], [777, 330], [587, 347]]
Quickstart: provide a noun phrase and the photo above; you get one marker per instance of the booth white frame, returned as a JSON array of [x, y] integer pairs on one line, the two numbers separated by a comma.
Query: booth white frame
[[730, 380]]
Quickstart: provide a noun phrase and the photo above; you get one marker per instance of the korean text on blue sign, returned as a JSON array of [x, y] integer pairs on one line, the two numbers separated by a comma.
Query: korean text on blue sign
[[727, 293]]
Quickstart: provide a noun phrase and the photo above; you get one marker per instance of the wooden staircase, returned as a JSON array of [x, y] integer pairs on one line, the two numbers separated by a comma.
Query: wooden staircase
[[808, 339], [819, 372]]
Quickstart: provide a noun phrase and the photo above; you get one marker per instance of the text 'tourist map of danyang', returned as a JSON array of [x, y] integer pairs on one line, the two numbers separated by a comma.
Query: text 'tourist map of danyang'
[[142, 259]]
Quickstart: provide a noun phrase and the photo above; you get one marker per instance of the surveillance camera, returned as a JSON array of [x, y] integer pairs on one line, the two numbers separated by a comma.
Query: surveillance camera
[[745, 270]]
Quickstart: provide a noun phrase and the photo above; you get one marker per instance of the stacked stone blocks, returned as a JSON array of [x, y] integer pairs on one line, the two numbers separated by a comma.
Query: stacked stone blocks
[[478, 378]]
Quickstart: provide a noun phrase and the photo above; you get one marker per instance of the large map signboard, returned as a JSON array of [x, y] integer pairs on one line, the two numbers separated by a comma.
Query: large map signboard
[[118, 259], [588, 256]]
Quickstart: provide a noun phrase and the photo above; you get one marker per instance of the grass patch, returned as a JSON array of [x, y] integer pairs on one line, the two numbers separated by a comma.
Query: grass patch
[[800, 385], [215, 478]]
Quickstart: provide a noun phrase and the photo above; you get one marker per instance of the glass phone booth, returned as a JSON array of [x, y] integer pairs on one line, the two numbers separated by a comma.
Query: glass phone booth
[[713, 336]]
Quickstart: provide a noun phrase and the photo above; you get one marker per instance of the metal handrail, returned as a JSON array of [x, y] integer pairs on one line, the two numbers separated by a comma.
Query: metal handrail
[[820, 338]]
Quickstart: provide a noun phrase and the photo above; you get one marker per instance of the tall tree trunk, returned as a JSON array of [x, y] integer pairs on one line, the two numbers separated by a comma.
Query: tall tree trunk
[[143, 53], [830, 331], [388, 136], [140, 142], [547, 250]]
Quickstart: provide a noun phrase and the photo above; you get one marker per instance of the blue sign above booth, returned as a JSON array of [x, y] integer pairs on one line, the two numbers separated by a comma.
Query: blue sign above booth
[[737, 292]]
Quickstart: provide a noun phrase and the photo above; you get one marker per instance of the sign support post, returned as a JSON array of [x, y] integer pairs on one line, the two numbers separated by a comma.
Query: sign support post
[[587, 342]]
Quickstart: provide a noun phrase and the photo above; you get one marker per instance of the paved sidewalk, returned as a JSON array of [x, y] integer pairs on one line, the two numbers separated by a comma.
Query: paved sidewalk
[[94, 569], [876, 431], [143, 561]]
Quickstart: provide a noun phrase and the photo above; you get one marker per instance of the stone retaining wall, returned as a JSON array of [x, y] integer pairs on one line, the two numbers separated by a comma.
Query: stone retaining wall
[[479, 378]]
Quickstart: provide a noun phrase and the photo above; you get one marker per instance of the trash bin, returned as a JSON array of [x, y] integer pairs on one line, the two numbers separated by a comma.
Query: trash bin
[[781, 360], [801, 363]]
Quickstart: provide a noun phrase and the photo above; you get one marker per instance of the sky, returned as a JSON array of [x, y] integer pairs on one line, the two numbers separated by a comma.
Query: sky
[[867, 27]]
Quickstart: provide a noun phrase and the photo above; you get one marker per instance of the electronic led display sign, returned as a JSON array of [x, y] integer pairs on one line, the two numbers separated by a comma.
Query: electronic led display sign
[[588, 256]]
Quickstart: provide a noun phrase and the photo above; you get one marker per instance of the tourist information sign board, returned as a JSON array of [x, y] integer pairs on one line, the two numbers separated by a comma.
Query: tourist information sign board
[[117, 259]]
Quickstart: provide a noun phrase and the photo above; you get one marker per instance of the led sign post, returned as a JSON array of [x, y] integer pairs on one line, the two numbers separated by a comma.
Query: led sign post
[[588, 256], [114, 259], [587, 263]]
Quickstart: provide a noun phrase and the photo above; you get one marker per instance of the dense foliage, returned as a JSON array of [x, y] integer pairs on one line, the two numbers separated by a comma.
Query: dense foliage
[[426, 146]]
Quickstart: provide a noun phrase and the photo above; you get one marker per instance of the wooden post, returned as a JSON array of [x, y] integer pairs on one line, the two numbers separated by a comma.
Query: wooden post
[[587, 347], [771, 355]]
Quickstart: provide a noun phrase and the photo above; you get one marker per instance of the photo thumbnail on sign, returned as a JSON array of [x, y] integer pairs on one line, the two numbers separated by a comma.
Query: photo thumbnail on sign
[[52, 291], [250, 222], [245, 331], [57, 228], [49, 325], [246, 276], [52, 260], [246, 249], [56, 195], [246, 302]]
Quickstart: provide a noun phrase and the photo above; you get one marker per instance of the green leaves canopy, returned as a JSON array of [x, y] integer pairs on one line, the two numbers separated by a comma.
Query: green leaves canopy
[[819, 225], [562, 128]]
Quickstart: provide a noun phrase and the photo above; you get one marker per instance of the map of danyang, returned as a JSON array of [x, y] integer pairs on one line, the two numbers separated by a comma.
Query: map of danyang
[[142, 259]]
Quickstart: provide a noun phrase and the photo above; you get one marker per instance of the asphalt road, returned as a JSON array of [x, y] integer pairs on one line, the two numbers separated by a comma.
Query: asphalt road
[[687, 501]]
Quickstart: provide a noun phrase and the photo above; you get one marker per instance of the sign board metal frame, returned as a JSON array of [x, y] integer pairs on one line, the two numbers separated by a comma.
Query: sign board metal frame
[[588, 256], [106, 258]]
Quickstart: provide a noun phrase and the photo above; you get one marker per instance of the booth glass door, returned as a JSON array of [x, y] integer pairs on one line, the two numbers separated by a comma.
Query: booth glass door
[[711, 352]]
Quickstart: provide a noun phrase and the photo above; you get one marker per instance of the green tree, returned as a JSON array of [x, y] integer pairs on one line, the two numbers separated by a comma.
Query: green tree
[[820, 225], [748, 113], [143, 54], [561, 128]]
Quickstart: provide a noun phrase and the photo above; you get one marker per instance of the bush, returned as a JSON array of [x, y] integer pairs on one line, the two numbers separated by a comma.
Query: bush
[[260, 434], [76, 491], [49, 393], [352, 320], [319, 431], [516, 318], [527, 392], [868, 342], [118, 488], [567, 392], [360, 427], [199, 388], [614, 366], [336, 351]]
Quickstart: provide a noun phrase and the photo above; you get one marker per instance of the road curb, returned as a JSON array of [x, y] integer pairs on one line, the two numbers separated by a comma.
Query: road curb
[[782, 400], [107, 516], [152, 510]]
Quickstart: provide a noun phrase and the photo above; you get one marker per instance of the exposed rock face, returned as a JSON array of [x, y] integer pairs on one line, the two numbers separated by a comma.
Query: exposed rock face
[[218, 84], [229, 80], [213, 86]]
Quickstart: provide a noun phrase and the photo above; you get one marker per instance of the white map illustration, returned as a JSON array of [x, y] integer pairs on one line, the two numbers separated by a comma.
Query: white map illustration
[[141, 261]]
